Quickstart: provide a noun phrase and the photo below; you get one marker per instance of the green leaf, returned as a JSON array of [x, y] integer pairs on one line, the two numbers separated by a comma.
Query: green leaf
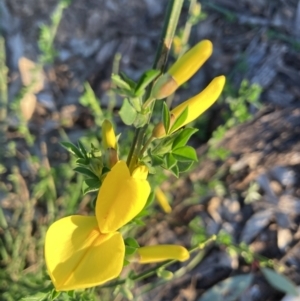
[[128, 80], [129, 241], [71, 294], [165, 145], [90, 185], [82, 149], [70, 147], [180, 120], [85, 171], [156, 160], [120, 82], [122, 92], [183, 137], [170, 161], [127, 113], [143, 213], [136, 103], [129, 250], [146, 79], [150, 199], [280, 282], [166, 117], [228, 290], [140, 120], [185, 153], [175, 171], [81, 161], [36, 297], [185, 166]]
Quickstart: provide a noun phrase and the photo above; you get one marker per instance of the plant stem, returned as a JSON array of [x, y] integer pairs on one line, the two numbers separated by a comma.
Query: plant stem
[[165, 264], [147, 143], [170, 24], [3, 95]]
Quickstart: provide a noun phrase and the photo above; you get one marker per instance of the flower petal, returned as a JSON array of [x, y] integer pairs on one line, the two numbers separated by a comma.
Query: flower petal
[[150, 254], [79, 256], [202, 101], [140, 172], [120, 198]]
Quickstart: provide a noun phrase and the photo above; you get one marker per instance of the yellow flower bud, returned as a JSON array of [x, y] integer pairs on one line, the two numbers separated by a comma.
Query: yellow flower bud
[[182, 70], [158, 253], [108, 135], [162, 200], [196, 105], [188, 64]]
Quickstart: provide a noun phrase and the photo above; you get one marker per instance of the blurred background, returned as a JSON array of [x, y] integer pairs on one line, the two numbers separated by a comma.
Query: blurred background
[[56, 60]]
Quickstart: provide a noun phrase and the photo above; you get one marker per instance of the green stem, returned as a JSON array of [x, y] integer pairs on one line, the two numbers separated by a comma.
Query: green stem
[[150, 139], [3, 96], [170, 24], [165, 264]]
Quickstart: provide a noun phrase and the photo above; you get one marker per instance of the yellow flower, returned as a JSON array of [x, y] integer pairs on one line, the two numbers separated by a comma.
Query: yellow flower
[[182, 70], [196, 106], [83, 251], [150, 254], [78, 255]]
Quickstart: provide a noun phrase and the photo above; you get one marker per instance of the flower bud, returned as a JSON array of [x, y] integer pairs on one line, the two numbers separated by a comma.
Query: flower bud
[[162, 200], [108, 135], [188, 64], [182, 70], [158, 253], [196, 105]]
